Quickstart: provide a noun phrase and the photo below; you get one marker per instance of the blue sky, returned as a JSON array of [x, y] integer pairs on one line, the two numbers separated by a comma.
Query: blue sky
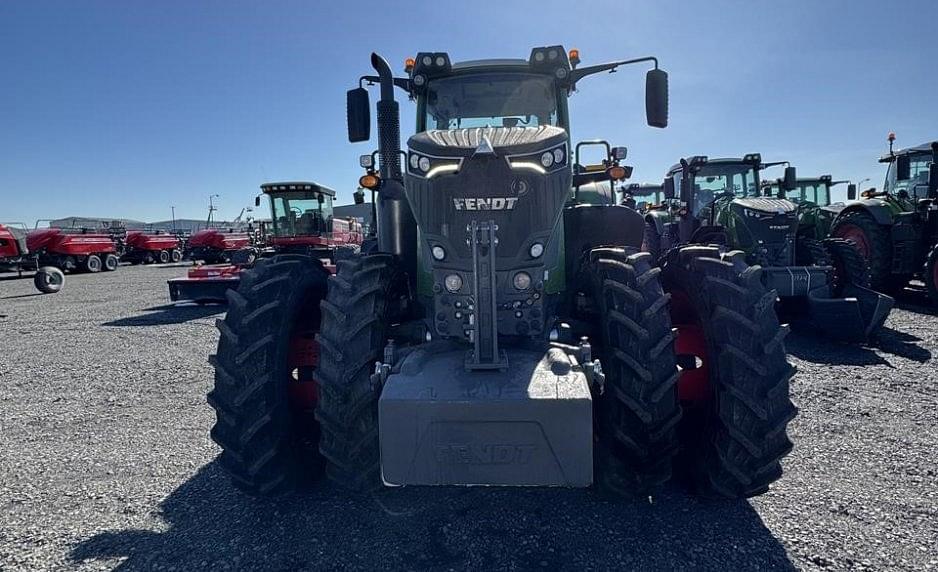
[[124, 108]]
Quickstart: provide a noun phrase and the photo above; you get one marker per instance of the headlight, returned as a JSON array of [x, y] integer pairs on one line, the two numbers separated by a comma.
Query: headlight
[[537, 249], [550, 159], [430, 167], [439, 253], [522, 281], [453, 283]]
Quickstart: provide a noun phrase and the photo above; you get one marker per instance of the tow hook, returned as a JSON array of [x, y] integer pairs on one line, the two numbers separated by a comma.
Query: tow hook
[[592, 368], [377, 379]]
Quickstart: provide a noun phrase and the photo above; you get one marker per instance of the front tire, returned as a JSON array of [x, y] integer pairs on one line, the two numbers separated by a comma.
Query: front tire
[[264, 391], [735, 448], [356, 316], [930, 275], [850, 268], [872, 240], [176, 255], [638, 413]]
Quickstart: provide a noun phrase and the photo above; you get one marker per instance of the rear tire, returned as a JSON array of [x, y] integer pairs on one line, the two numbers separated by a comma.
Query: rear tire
[[92, 264], [163, 257], [176, 255], [111, 262], [268, 442], [873, 241], [355, 319], [638, 413], [49, 279], [735, 451]]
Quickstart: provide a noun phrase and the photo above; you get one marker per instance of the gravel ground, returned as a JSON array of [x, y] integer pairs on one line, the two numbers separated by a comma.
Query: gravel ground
[[105, 462]]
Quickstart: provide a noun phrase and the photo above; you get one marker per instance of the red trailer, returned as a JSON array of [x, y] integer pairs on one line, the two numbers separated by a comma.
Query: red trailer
[[15, 256], [149, 247], [73, 249], [303, 223], [215, 245]]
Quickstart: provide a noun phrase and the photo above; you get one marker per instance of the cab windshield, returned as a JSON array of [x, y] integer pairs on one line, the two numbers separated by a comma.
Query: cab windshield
[[301, 214], [713, 180], [917, 183], [818, 193], [491, 100]]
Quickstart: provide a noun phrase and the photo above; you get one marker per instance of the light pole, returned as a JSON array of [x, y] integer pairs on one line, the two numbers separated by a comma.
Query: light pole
[[174, 218], [211, 209]]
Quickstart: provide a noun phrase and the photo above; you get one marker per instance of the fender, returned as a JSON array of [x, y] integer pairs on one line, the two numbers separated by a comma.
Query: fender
[[878, 209]]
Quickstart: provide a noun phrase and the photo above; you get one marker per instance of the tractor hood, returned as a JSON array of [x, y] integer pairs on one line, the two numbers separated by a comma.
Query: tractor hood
[[767, 205], [501, 141]]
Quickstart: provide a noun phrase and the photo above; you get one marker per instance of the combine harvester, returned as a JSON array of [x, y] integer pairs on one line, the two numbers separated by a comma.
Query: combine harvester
[[500, 331], [148, 247], [303, 224], [825, 285], [15, 256]]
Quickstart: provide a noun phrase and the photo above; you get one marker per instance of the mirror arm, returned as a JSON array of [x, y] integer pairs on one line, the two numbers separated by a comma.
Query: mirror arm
[[400, 82], [579, 73]]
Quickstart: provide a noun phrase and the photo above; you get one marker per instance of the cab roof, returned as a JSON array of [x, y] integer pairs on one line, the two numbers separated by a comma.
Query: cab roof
[[923, 148], [297, 186]]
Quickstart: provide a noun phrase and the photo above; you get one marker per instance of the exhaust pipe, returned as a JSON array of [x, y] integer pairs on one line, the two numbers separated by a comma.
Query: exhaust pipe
[[389, 122], [397, 228]]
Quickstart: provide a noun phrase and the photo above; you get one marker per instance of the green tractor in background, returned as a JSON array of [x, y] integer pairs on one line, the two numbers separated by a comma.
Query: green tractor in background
[[823, 284], [896, 229], [816, 212]]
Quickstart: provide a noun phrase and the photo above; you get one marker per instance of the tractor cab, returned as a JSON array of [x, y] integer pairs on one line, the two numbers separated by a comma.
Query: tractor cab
[[908, 176], [643, 197], [299, 209]]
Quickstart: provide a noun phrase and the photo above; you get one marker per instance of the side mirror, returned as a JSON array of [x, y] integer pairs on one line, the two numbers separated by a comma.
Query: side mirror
[[656, 98], [669, 188], [903, 167], [620, 153], [791, 179], [257, 201], [358, 114], [933, 180], [851, 192], [359, 197]]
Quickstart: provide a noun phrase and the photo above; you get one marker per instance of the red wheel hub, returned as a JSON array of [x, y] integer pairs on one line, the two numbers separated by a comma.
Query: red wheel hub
[[301, 362], [691, 349], [855, 234]]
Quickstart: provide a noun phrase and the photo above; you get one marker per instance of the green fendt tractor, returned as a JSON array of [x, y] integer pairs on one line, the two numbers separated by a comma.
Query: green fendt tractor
[[500, 330], [721, 201], [816, 212], [896, 229]]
